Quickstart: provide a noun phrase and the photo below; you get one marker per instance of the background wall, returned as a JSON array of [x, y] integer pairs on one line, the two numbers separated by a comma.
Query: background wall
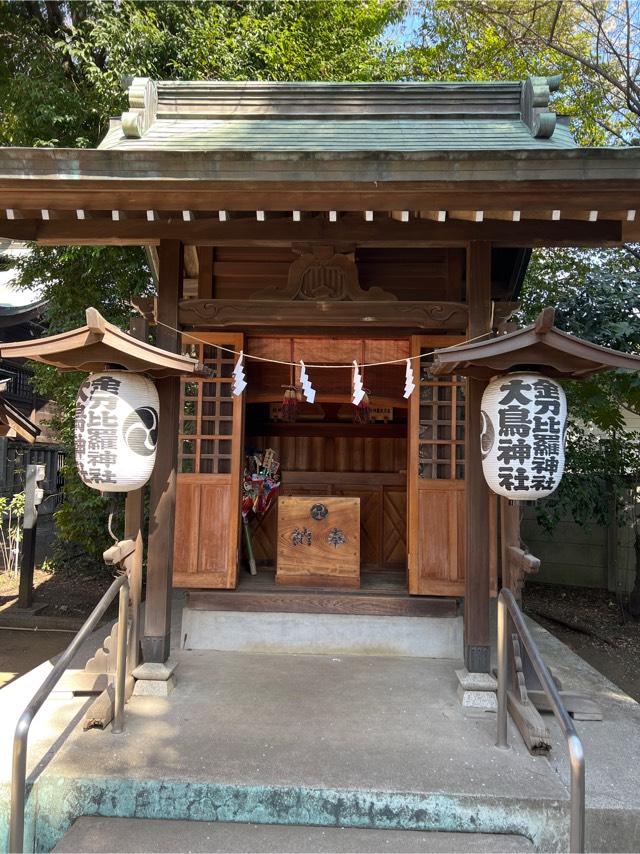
[[592, 556]]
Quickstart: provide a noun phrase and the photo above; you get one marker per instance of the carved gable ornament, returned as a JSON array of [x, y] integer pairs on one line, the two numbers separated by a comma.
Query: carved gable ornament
[[321, 274]]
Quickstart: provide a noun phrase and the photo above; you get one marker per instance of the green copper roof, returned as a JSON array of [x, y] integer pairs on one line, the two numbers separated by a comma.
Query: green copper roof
[[338, 117], [337, 135]]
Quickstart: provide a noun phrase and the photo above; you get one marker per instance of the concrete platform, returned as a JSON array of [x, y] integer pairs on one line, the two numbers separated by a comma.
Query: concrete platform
[[364, 742], [139, 836], [349, 741], [322, 634]]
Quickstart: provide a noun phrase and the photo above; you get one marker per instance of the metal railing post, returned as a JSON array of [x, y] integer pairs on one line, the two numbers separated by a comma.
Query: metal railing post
[[20, 738], [502, 740], [576, 764], [507, 606], [121, 659]]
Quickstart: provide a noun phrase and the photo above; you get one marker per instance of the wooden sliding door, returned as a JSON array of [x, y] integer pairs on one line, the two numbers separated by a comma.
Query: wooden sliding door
[[209, 469], [436, 480]]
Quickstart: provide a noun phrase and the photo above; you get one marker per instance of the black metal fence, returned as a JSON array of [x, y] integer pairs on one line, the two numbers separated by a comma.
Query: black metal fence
[[15, 456]]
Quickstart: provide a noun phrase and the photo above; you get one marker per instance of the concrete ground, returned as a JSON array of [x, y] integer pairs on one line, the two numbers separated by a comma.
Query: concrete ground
[[148, 835], [23, 649], [361, 741], [611, 746]]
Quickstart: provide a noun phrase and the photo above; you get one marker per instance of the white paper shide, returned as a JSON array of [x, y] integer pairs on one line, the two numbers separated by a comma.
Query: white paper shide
[[358, 389], [116, 430], [524, 419], [307, 389]]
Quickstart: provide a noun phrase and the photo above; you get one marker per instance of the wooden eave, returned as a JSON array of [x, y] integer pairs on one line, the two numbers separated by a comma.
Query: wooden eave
[[99, 344], [539, 346], [13, 421], [512, 198]]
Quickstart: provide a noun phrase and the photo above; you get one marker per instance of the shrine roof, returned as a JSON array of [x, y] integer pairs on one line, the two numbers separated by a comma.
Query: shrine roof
[[538, 346], [98, 344], [338, 117], [200, 160]]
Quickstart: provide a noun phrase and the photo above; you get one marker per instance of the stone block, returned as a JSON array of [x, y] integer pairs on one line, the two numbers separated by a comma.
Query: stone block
[[485, 701], [154, 687], [476, 681], [155, 670]]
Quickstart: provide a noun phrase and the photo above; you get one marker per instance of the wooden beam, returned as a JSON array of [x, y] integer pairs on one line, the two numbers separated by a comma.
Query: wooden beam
[[205, 272], [406, 185], [282, 231], [157, 621], [477, 646], [227, 313]]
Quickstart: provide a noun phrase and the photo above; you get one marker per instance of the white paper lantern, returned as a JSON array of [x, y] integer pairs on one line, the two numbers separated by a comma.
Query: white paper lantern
[[116, 430], [522, 438]]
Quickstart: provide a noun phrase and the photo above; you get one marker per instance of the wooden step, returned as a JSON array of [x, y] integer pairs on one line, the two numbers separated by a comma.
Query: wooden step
[[322, 602]]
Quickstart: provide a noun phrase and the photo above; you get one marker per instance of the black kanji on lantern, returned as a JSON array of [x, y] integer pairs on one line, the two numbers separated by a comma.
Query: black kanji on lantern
[[547, 397], [514, 421], [515, 392], [510, 451], [523, 450]]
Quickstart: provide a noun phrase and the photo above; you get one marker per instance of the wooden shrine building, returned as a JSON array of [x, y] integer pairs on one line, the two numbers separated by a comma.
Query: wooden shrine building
[[327, 223]]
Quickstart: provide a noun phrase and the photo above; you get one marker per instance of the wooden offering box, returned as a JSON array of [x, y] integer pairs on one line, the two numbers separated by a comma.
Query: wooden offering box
[[318, 541]]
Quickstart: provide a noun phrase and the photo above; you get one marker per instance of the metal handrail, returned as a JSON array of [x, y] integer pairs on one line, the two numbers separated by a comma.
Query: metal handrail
[[19, 765], [507, 603]]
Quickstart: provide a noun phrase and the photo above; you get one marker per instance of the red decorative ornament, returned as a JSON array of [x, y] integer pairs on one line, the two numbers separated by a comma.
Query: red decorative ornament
[[292, 396], [289, 407], [362, 414]]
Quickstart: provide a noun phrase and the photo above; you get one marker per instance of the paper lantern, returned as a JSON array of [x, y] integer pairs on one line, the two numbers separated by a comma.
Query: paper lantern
[[522, 436], [116, 430]]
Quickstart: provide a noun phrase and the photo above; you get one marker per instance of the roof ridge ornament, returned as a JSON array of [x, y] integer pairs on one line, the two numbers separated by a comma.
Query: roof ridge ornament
[[534, 103], [143, 107]]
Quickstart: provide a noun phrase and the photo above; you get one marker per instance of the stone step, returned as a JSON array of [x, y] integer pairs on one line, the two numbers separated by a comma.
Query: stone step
[[93, 834], [322, 634]]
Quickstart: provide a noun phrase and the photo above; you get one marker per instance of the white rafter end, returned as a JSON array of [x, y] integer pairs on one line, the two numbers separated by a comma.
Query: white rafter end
[[368, 215], [555, 215], [152, 216], [80, 213], [631, 215], [442, 216], [479, 216], [593, 216], [44, 213], [187, 216], [296, 216], [115, 215], [260, 216], [222, 216], [404, 216], [333, 216], [515, 216], [11, 214]]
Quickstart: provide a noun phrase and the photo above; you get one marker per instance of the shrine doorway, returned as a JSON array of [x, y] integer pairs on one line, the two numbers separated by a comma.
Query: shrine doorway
[[330, 448]]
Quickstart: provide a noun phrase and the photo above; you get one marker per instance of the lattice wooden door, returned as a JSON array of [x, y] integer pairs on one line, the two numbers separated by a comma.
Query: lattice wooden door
[[436, 478], [436, 481], [209, 470]]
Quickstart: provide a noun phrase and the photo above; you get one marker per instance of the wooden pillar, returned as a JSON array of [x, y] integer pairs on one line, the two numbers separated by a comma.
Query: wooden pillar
[[477, 650], [133, 525], [509, 536], [157, 619]]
